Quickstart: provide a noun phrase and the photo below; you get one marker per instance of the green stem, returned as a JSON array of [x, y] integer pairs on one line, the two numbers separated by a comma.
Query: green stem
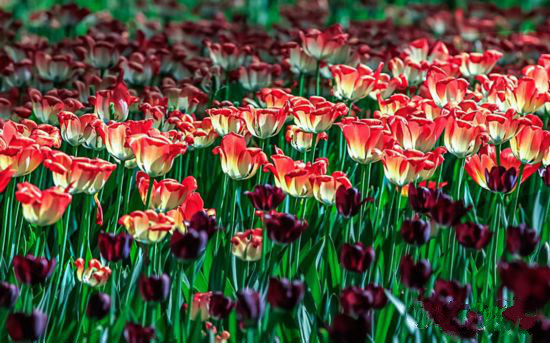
[[318, 79], [149, 192], [516, 195], [301, 86], [120, 194]]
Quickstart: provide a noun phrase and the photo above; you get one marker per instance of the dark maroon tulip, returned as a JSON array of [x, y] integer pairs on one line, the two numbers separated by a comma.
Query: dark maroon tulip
[[529, 283], [473, 235], [347, 329], [349, 201], [189, 245], [500, 179], [467, 330], [521, 240], [356, 301], [220, 305], [154, 288], [284, 228], [540, 331], [135, 333], [356, 257], [266, 197], [250, 305], [545, 175], [99, 305], [446, 302], [416, 231], [285, 294], [113, 247], [415, 275], [26, 327], [8, 294], [202, 221], [422, 199], [379, 298], [447, 212], [32, 270]]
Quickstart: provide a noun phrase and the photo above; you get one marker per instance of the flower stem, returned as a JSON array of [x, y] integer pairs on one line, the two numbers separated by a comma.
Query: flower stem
[[318, 79], [149, 192]]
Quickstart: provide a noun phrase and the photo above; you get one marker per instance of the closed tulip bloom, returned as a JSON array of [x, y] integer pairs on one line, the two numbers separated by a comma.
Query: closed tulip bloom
[[78, 174], [26, 327], [416, 133], [463, 137], [204, 221], [346, 329], [200, 306], [366, 139], [473, 235], [226, 120], [402, 167], [247, 245], [99, 305], [91, 126], [415, 275], [21, 154], [264, 122], [521, 240], [227, 56], [154, 288], [422, 199], [166, 194], [529, 283], [475, 63], [395, 104], [266, 197], [447, 212], [357, 302], [116, 137], [285, 294], [114, 247], [42, 208], [356, 257], [8, 294], [220, 306], [135, 333], [531, 142], [302, 141], [315, 115], [47, 106], [445, 90], [155, 152], [250, 305], [349, 201], [545, 175], [284, 228], [238, 161], [190, 245], [5, 178], [147, 226], [322, 44], [299, 61], [204, 134], [415, 231], [325, 187], [353, 84], [413, 72], [32, 270], [114, 104], [501, 127], [524, 97], [258, 75], [95, 274], [71, 128], [273, 97]]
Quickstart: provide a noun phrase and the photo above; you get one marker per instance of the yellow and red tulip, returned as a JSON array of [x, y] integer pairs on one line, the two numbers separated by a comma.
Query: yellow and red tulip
[[353, 84], [445, 90], [476, 63], [155, 152], [416, 133], [166, 194], [531, 143], [316, 114], [94, 275], [325, 186], [301, 140], [402, 167], [247, 245], [147, 226], [463, 135], [42, 207], [116, 136], [366, 139], [237, 160], [263, 122], [226, 120]]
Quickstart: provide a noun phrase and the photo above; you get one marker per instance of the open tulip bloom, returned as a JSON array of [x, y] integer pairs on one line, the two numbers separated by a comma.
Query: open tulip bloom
[[274, 171]]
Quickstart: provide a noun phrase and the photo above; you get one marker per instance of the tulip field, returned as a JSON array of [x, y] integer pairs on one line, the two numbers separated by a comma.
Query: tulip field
[[274, 171]]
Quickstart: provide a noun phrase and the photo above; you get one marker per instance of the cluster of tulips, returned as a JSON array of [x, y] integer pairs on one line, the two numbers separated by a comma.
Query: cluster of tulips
[[137, 159]]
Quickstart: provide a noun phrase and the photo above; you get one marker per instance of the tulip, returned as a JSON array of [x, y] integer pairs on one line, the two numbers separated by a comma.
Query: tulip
[[8, 294], [463, 137], [113, 247], [415, 275], [32, 270], [358, 302], [247, 245], [135, 333], [446, 302], [521, 240], [529, 283], [220, 305], [524, 97], [284, 228], [473, 235], [531, 142], [95, 275], [227, 56], [91, 138], [266, 197], [501, 127], [395, 104], [20, 154], [356, 257], [416, 133], [190, 245], [447, 212], [445, 89], [204, 221], [226, 120], [402, 167], [114, 104], [353, 84], [415, 231], [258, 75], [322, 44], [166, 194], [154, 288], [263, 122], [545, 175], [116, 136], [326, 187], [42, 208], [285, 294], [273, 97], [476, 63], [412, 71], [72, 127], [185, 98], [315, 115], [238, 161], [366, 139], [99, 305], [27, 328], [54, 68], [422, 199], [349, 201], [346, 329], [47, 106], [155, 152], [302, 141], [204, 133], [147, 226], [5, 178], [200, 306], [250, 305]]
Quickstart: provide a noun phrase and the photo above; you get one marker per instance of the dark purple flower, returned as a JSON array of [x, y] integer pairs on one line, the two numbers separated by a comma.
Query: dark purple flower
[[415, 231], [422, 199], [356, 257], [8, 294], [447, 212], [415, 275], [135, 333], [32, 270], [347, 329], [349, 201], [202, 221], [521, 240], [545, 175], [529, 283], [99, 305], [189, 245], [154, 288], [266, 197], [540, 331], [26, 327], [500, 179], [284, 228], [220, 305], [113, 247], [285, 294], [357, 301], [446, 302], [250, 305], [473, 235]]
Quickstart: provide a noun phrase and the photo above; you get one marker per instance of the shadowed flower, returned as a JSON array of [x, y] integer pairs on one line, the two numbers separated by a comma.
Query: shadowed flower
[[99, 305], [346, 329], [415, 231], [190, 245], [284, 228], [113, 247], [415, 275], [42, 208], [135, 333], [8, 294], [266, 197], [27, 328], [154, 288], [32, 270], [147, 226], [521, 240], [322, 44], [349, 200], [238, 161], [529, 283], [326, 187], [473, 235], [94, 275], [447, 212], [422, 199], [356, 257], [220, 305], [285, 294], [5, 178], [250, 306], [247, 245], [227, 56]]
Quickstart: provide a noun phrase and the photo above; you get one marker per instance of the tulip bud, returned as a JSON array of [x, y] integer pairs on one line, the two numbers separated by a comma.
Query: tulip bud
[[285, 294], [23, 327], [415, 275], [266, 197], [113, 247], [99, 305], [500, 179], [349, 201], [154, 288], [250, 305], [220, 305], [356, 257], [521, 240], [415, 231], [447, 212], [422, 199], [247, 245], [473, 235], [135, 333], [190, 245], [284, 228], [204, 222], [32, 270], [8, 294]]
